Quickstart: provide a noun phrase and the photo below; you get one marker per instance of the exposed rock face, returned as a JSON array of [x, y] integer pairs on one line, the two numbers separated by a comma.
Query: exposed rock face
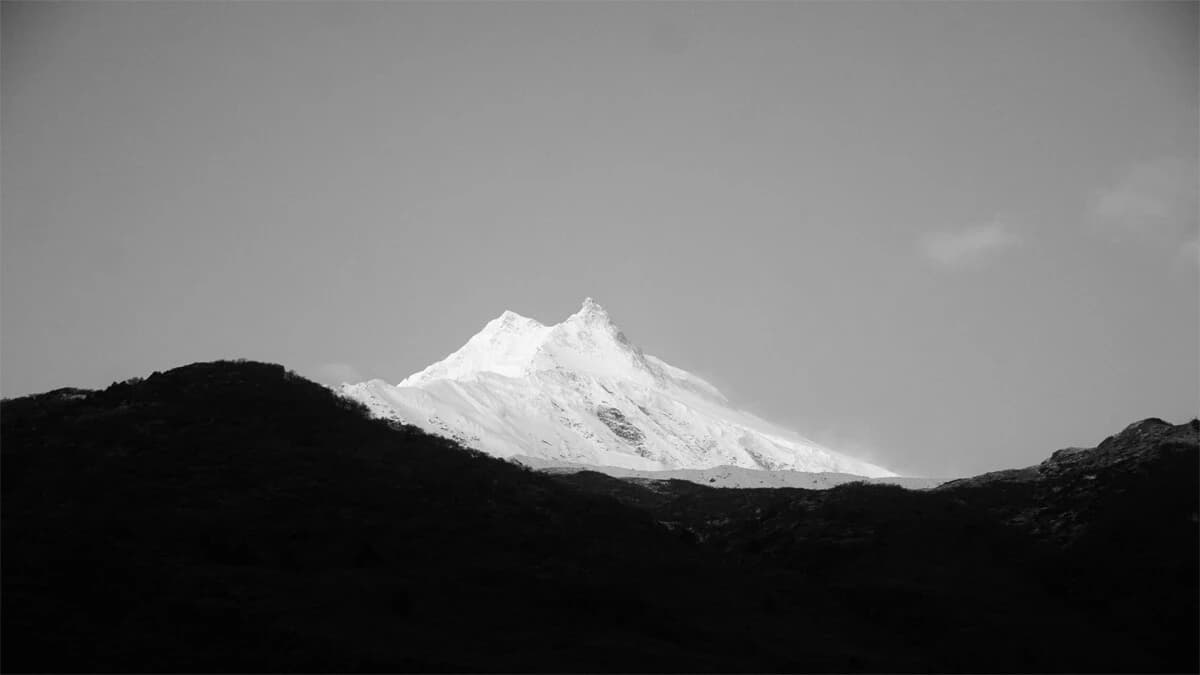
[[615, 420]]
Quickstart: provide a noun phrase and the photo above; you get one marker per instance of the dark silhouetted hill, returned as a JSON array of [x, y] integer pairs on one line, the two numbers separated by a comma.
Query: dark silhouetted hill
[[232, 516]]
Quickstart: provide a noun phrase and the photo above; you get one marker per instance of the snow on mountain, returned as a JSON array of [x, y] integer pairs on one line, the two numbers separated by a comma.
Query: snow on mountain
[[581, 392]]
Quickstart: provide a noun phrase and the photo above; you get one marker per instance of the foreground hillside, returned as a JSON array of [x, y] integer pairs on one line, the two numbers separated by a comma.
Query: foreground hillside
[[1108, 535], [235, 517]]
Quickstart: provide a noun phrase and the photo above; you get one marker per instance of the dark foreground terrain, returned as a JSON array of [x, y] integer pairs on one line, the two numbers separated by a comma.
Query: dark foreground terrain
[[232, 516]]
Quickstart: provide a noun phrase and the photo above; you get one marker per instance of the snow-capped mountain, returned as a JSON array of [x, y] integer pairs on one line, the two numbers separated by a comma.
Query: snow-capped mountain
[[579, 391]]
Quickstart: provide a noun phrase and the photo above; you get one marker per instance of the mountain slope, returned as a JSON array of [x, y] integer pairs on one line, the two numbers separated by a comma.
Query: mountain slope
[[1107, 534], [581, 392], [233, 517]]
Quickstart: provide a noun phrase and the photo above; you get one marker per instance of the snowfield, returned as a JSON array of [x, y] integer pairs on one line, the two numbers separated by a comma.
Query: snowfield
[[580, 392]]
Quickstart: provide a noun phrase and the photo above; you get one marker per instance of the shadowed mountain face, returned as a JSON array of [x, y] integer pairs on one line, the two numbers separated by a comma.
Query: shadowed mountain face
[[235, 517]]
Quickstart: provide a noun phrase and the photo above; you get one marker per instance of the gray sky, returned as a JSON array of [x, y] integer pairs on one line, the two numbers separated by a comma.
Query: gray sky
[[948, 237]]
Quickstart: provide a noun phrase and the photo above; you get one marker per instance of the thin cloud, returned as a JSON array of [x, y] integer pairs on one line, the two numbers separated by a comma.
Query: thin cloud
[[1156, 198], [967, 246]]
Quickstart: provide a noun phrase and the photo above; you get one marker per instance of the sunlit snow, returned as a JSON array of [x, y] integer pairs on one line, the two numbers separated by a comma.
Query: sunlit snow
[[579, 391]]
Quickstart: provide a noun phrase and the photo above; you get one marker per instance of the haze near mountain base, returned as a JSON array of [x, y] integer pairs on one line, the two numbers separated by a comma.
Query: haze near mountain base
[[580, 391]]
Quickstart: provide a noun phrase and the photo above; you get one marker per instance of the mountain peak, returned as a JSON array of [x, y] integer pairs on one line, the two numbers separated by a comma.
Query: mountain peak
[[580, 391], [510, 321], [591, 312]]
